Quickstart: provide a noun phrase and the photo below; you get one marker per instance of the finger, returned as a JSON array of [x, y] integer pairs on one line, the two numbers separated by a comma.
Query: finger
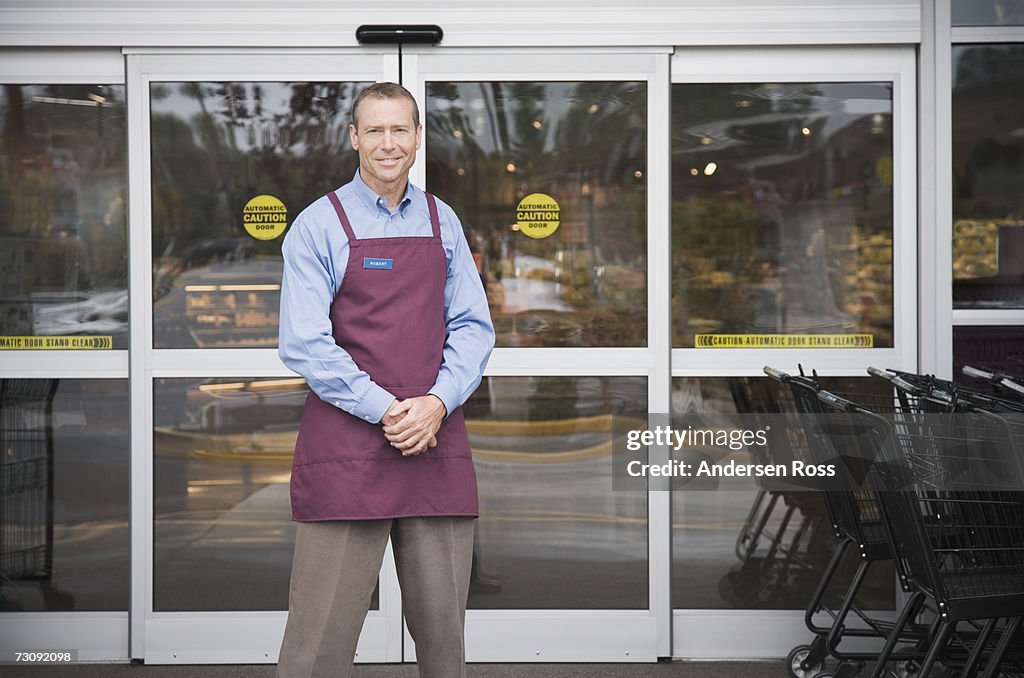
[[403, 430], [405, 426], [389, 411], [417, 449], [420, 443], [400, 406], [409, 438], [410, 421], [390, 419], [426, 442], [403, 440]]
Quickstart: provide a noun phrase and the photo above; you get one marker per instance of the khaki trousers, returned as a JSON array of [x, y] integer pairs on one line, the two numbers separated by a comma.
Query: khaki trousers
[[334, 572]]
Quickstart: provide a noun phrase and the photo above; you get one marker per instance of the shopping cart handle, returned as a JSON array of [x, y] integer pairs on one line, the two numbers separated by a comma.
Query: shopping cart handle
[[896, 380], [836, 401], [881, 374], [1012, 385], [976, 373], [778, 375]]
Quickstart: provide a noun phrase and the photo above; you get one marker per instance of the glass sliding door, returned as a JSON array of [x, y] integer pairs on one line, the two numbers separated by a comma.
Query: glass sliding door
[[64, 334], [546, 159], [232, 147], [793, 242]]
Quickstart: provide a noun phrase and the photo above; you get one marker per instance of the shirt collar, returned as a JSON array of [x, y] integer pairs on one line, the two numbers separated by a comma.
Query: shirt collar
[[373, 201]]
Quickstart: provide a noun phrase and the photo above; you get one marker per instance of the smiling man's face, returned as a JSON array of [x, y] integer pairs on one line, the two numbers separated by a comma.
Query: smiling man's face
[[386, 140]]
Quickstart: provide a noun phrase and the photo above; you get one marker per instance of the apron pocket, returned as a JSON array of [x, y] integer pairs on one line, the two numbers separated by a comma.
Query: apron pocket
[[329, 434]]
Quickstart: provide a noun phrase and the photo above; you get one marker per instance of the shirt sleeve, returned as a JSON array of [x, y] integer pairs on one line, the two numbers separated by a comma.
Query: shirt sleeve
[[306, 342], [470, 334]]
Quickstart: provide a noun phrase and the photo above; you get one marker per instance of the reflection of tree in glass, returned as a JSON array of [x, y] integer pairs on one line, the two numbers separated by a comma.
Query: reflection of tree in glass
[[782, 209], [246, 139], [62, 185], [491, 143], [717, 268]]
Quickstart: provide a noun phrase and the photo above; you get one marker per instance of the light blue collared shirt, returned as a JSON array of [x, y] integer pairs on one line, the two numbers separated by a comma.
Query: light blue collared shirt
[[315, 257]]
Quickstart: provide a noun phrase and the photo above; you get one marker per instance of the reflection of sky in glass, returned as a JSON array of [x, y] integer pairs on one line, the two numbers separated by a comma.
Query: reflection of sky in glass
[[828, 108], [52, 102], [477, 101], [988, 12], [248, 107]]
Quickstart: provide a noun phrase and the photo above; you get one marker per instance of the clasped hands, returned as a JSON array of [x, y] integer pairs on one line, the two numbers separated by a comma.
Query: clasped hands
[[411, 425]]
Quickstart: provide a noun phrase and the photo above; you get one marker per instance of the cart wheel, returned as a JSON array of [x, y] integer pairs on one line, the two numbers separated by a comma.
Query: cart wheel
[[908, 669], [796, 657]]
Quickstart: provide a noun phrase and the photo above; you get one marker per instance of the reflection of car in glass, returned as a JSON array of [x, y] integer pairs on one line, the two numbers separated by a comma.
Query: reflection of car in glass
[[246, 412], [97, 313], [245, 419], [205, 253]]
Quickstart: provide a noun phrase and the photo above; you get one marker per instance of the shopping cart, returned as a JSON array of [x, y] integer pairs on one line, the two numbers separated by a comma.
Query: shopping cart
[[946, 396], [859, 523], [26, 479], [953, 512]]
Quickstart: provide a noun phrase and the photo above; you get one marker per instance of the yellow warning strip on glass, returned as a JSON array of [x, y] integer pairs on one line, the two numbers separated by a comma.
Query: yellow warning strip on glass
[[56, 343], [784, 341], [599, 423]]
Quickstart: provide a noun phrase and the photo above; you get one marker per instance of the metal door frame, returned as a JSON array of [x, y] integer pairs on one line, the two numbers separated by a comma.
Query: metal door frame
[[214, 637], [738, 634], [95, 635], [581, 635]]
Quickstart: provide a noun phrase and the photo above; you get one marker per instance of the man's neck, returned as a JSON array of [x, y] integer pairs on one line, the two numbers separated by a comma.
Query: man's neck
[[392, 193]]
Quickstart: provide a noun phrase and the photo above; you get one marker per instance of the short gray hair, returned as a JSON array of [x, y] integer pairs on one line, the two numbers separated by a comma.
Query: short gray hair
[[385, 90]]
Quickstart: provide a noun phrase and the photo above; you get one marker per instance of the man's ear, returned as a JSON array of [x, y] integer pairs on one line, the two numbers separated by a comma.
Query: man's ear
[[419, 136], [354, 138]]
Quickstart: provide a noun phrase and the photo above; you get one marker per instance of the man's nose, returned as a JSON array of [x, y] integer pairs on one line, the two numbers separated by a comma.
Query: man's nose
[[389, 141]]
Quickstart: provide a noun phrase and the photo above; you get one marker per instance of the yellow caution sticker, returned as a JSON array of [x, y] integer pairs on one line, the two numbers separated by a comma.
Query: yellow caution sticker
[[784, 341], [265, 217], [56, 343], [537, 215], [883, 170]]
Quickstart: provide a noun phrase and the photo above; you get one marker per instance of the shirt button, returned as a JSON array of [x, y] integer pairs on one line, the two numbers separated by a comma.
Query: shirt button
[[337, 403], [367, 417]]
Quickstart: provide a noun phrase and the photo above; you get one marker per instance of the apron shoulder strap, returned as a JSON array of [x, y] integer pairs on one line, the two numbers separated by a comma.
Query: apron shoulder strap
[[435, 221], [342, 217]]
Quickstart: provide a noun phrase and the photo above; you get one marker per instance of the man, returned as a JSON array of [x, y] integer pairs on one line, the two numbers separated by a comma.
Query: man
[[383, 313]]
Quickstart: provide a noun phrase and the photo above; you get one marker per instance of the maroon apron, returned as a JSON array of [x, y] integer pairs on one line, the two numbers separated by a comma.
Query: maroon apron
[[389, 315]]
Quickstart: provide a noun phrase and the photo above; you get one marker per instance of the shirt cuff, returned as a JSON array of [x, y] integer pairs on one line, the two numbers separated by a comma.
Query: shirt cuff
[[373, 405], [450, 399]]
